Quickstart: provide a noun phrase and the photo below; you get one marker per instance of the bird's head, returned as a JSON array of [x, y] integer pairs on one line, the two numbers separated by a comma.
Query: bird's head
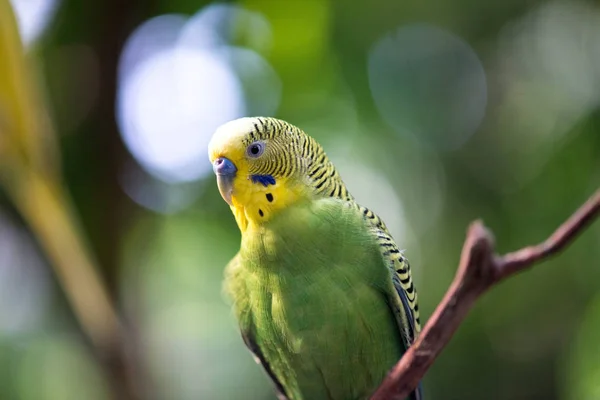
[[264, 165]]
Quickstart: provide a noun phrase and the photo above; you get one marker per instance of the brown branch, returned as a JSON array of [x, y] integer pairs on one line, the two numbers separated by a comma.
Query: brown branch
[[479, 269]]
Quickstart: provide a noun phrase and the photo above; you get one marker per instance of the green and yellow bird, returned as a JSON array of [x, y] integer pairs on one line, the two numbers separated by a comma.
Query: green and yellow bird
[[323, 296]]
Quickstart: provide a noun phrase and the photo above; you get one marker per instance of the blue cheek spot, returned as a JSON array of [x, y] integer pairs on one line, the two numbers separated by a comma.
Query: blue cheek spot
[[265, 180]]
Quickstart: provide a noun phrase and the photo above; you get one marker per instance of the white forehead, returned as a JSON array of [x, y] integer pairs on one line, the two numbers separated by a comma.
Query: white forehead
[[230, 131], [240, 126]]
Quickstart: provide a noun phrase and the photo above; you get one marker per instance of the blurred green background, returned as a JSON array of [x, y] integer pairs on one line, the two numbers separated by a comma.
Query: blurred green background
[[435, 112]]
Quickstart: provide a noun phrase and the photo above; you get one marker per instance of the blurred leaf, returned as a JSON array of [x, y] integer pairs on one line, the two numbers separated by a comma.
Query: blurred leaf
[[25, 134], [28, 166]]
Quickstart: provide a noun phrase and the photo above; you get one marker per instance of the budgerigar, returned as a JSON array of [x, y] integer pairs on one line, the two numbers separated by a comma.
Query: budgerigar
[[323, 296]]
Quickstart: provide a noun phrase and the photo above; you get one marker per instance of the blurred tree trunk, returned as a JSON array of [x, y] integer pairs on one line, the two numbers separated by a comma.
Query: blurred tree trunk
[[94, 174]]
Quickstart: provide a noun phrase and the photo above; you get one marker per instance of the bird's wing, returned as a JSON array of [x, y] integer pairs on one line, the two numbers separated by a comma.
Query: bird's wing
[[406, 299], [260, 359], [402, 279], [248, 338], [403, 300], [407, 309]]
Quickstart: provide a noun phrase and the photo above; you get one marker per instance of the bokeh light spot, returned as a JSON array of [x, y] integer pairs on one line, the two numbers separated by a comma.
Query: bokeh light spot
[[24, 283], [429, 85], [547, 74], [225, 24], [550, 62], [33, 17], [171, 105]]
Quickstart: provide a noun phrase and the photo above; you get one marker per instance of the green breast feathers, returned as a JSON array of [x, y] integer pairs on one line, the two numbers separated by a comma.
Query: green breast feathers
[[317, 303]]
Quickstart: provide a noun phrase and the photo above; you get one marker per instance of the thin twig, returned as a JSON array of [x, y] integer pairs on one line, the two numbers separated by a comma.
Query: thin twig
[[478, 271]]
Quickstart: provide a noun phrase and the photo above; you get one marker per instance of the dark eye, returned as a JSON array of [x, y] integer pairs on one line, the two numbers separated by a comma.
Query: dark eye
[[255, 149]]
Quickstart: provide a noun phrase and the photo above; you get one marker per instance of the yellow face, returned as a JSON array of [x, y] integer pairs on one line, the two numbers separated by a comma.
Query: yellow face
[[247, 156]]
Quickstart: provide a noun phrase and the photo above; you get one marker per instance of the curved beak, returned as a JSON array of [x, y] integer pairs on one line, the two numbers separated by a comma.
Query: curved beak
[[225, 171]]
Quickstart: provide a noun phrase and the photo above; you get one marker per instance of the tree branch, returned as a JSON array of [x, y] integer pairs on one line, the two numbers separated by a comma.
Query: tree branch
[[479, 269]]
